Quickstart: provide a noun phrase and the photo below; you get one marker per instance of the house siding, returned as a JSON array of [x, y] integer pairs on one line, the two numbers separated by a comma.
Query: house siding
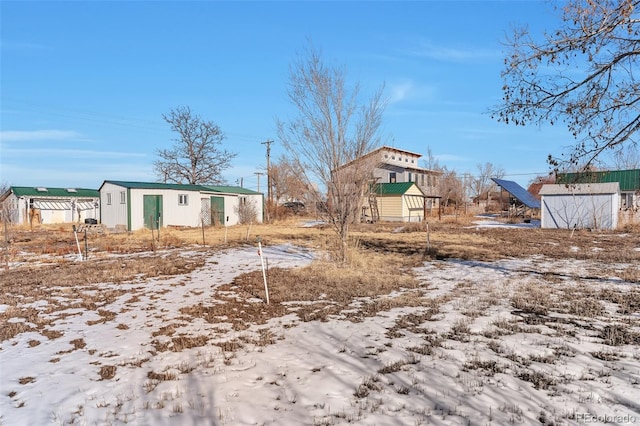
[[390, 208]]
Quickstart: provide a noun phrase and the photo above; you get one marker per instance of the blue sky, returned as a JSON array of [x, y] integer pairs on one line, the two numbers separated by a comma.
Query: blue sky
[[84, 84]]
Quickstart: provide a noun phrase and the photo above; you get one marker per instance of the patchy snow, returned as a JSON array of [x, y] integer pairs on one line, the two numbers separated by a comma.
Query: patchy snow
[[493, 223], [461, 365]]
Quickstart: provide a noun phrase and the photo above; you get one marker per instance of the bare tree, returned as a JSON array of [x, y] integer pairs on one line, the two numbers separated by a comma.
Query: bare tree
[[627, 158], [330, 131], [247, 211], [451, 188], [582, 74], [286, 182], [8, 212], [196, 157], [482, 183]]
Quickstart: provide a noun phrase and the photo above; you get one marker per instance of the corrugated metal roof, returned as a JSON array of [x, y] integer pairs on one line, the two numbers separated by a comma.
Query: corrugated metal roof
[[28, 191], [580, 189], [182, 187], [398, 188], [629, 180]]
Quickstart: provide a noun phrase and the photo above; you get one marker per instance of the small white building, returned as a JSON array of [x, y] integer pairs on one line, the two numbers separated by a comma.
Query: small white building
[[136, 205], [24, 204], [580, 206]]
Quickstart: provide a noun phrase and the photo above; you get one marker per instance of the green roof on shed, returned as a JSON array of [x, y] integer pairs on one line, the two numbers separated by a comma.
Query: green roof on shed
[[629, 180], [398, 188], [231, 189], [43, 191], [184, 187]]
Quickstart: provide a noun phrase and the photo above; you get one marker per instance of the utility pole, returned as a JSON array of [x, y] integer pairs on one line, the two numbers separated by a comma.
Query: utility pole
[[258, 174], [268, 144]]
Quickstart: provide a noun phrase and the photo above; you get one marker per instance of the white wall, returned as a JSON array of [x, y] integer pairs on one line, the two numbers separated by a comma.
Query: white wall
[[173, 213], [115, 213], [566, 211]]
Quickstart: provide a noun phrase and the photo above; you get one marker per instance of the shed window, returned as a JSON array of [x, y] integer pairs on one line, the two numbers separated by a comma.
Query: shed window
[[183, 199], [108, 198], [123, 197]]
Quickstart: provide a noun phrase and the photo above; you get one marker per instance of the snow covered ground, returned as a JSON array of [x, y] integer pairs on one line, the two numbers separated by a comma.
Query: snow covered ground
[[482, 347]]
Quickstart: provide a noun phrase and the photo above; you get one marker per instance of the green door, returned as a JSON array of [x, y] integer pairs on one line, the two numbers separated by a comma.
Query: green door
[[152, 210], [217, 210]]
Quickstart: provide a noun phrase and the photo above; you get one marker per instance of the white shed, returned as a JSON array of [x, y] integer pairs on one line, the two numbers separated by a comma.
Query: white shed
[[136, 205], [586, 205]]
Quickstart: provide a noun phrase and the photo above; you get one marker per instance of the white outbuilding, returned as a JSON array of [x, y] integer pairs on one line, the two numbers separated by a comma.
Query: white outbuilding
[[580, 206], [135, 205], [28, 205]]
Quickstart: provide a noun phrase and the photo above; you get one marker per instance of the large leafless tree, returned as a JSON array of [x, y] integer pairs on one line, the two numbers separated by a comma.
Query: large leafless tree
[[583, 74], [196, 156], [481, 183], [287, 186], [332, 128]]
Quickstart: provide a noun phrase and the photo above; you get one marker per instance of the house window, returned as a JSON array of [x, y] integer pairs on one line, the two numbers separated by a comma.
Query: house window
[[393, 157], [392, 177], [412, 161], [123, 197], [410, 176], [406, 160], [108, 198], [422, 180], [183, 199]]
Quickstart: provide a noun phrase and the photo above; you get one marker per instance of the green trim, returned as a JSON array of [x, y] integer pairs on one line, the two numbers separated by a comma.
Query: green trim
[[27, 191], [129, 209]]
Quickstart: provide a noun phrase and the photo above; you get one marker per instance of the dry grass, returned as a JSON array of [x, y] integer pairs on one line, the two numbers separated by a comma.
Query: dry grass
[[379, 264], [107, 372], [313, 292]]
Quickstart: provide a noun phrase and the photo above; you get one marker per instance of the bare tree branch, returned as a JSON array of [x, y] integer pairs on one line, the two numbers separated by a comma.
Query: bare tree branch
[[195, 158], [582, 74]]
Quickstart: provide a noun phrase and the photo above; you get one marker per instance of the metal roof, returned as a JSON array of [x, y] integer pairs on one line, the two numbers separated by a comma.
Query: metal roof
[[183, 187], [398, 188], [629, 180], [518, 192], [580, 189], [231, 189], [45, 192]]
